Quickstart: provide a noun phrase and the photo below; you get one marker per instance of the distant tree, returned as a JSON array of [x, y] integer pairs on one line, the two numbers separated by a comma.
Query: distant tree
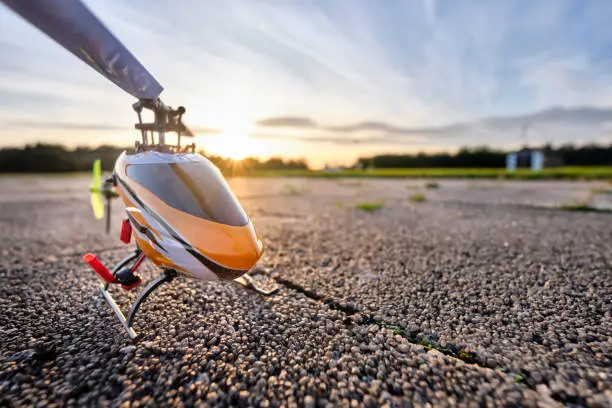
[[588, 155]]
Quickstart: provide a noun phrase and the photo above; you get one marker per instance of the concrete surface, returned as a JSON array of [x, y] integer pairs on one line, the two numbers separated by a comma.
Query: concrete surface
[[476, 296]]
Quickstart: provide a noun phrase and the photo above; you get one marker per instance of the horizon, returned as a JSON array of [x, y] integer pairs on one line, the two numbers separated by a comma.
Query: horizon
[[327, 83]]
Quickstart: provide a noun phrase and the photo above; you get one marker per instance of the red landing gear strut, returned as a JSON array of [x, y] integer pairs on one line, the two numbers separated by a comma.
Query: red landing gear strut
[[124, 275]]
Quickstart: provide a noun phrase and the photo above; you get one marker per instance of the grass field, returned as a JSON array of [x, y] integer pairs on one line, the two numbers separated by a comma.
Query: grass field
[[556, 173], [566, 173]]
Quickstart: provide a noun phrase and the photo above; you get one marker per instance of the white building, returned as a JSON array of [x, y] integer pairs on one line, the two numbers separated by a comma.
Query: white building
[[526, 157]]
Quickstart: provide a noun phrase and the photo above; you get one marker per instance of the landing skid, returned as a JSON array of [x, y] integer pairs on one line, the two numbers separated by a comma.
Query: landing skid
[[124, 275], [263, 285], [166, 276]]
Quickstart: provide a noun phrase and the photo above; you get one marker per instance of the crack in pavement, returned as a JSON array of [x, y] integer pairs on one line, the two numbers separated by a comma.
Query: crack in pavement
[[354, 315], [418, 338], [414, 336], [427, 341]]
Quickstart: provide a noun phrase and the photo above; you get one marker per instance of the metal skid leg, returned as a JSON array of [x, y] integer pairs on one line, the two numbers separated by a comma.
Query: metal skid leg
[[166, 276], [109, 299], [264, 285]]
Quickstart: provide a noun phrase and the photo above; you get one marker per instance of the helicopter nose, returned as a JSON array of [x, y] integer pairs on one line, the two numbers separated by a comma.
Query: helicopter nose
[[246, 253], [239, 248]]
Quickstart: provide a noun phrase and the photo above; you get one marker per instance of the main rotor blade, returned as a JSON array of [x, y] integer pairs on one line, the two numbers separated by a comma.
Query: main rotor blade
[[77, 29]]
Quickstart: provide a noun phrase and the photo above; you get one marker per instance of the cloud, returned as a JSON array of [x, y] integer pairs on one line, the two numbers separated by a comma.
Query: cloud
[[205, 130], [300, 123], [288, 121], [340, 140], [27, 124], [371, 126], [558, 123]]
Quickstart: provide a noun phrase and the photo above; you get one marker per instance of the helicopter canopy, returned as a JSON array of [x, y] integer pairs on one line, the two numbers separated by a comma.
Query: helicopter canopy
[[193, 187]]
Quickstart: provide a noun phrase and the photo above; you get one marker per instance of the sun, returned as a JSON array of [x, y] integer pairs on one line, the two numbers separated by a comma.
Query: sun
[[234, 142], [236, 146]]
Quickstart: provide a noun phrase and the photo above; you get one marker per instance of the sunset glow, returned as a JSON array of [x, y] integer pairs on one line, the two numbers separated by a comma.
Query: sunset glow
[[234, 142]]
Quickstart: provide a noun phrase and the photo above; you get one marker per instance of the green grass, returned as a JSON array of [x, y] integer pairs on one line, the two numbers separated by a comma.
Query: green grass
[[417, 198], [369, 207], [601, 190], [468, 356], [582, 207], [394, 328], [429, 345], [476, 186], [566, 173], [432, 185], [456, 351], [292, 191]]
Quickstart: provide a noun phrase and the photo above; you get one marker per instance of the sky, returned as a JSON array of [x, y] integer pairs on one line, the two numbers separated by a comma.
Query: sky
[[328, 81]]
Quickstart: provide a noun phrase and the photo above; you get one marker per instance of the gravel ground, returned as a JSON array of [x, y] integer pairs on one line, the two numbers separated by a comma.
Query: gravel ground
[[529, 291], [463, 299]]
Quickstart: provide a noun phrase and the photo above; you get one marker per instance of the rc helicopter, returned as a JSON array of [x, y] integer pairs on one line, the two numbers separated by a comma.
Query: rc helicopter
[[180, 211]]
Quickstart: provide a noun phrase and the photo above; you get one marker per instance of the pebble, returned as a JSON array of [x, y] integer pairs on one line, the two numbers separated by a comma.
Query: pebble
[[309, 402], [403, 348]]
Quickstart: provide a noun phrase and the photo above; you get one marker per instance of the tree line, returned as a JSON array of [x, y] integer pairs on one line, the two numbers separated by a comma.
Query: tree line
[[566, 155], [51, 158]]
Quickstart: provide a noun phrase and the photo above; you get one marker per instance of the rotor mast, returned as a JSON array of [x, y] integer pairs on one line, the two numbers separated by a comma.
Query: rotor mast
[[166, 120]]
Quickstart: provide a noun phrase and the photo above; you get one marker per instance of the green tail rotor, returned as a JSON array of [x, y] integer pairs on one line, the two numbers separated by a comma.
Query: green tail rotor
[[96, 181], [97, 199], [101, 194]]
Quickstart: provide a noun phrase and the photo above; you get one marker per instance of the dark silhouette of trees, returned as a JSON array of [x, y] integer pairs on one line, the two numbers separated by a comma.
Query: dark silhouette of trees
[[567, 155], [250, 164], [48, 158]]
